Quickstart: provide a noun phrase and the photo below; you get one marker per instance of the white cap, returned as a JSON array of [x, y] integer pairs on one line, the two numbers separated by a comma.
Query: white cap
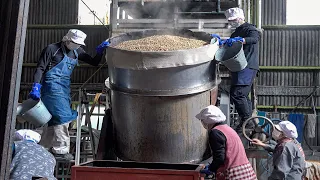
[[288, 129], [211, 115], [27, 134], [75, 36], [234, 13]]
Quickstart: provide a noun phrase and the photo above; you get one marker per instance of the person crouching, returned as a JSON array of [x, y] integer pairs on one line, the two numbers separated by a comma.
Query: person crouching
[[229, 159], [288, 156], [29, 159]]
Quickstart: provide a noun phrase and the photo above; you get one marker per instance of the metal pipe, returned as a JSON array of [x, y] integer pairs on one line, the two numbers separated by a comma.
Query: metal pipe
[[287, 107], [240, 4], [289, 67], [218, 6], [261, 67], [245, 8], [249, 11], [220, 12], [114, 12], [259, 14], [78, 138]]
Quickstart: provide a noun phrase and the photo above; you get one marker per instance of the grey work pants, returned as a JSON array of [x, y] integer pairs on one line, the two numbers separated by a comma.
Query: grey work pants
[[56, 137]]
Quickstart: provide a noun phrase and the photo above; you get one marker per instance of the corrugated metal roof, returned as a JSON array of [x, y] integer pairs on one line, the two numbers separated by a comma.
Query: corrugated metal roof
[[290, 46], [38, 37], [274, 12], [53, 12], [284, 101], [286, 78]]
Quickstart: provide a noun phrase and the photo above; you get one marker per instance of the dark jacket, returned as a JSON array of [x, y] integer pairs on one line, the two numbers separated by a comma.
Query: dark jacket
[[251, 48], [217, 142], [53, 55]]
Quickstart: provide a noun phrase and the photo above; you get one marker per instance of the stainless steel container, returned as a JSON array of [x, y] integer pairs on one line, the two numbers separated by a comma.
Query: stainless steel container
[[159, 129], [155, 97]]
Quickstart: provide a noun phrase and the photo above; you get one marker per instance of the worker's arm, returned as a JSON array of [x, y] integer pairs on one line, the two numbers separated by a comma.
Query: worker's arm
[[43, 62], [282, 163], [217, 142], [271, 146], [83, 56], [252, 37]]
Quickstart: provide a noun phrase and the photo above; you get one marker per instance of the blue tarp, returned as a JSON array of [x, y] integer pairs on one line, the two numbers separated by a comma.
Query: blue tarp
[[298, 121]]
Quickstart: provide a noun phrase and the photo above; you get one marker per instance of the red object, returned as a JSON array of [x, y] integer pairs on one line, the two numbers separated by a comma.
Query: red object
[[236, 164], [124, 170]]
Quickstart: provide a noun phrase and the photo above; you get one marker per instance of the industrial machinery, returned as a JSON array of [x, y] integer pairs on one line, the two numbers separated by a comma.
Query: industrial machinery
[[262, 130], [153, 108], [134, 90], [155, 97], [203, 15], [153, 100], [196, 15]]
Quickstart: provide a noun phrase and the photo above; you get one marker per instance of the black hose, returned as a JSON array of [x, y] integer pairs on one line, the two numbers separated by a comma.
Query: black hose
[[302, 101]]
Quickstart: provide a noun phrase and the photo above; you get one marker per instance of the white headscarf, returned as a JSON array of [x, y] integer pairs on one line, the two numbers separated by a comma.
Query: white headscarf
[[234, 13], [27, 134], [211, 115], [288, 129], [75, 36]]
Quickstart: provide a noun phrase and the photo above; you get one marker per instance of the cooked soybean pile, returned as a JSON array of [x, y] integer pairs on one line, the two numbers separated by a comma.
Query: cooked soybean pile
[[161, 43]]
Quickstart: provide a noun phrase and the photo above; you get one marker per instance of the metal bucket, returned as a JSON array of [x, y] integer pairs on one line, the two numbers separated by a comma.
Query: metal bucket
[[34, 112], [232, 57]]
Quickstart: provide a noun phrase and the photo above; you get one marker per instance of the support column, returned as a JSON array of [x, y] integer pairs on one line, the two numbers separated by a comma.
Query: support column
[[13, 25]]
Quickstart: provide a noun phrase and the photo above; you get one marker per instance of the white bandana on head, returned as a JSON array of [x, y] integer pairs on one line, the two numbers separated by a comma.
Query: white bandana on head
[[211, 115]]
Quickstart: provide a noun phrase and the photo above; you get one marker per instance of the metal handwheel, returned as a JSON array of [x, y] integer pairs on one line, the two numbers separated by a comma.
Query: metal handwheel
[[249, 133]]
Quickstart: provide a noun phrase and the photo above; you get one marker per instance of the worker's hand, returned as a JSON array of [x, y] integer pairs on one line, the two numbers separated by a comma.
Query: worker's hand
[[230, 41], [257, 142], [206, 171], [102, 47], [35, 92], [215, 36], [221, 42]]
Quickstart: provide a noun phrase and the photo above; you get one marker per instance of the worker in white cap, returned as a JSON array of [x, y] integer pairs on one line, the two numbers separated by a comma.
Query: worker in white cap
[[30, 160], [241, 81], [288, 156], [229, 159], [53, 74]]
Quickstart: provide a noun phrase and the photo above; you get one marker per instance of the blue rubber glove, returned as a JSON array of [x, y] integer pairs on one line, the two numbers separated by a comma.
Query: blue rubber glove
[[221, 42], [230, 41], [35, 92], [215, 36], [206, 171], [102, 47]]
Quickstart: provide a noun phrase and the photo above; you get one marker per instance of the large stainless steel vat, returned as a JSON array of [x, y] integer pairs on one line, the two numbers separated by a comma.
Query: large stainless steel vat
[[155, 97], [159, 129]]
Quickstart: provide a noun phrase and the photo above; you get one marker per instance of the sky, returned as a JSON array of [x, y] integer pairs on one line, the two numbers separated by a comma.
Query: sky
[[100, 7], [303, 12]]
